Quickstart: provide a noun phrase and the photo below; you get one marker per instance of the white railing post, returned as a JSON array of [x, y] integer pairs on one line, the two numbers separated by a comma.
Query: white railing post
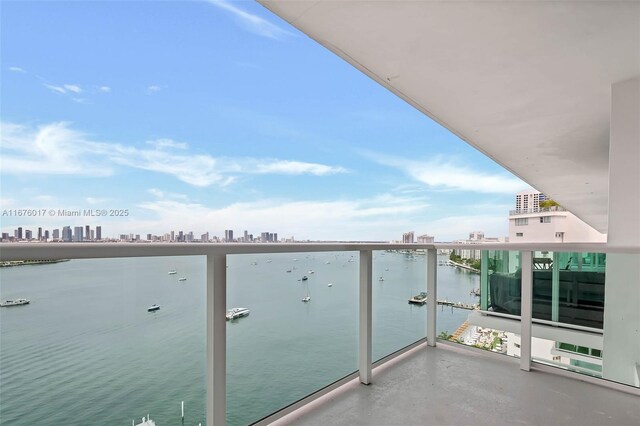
[[364, 354], [432, 302], [216, 339], [526, 258]]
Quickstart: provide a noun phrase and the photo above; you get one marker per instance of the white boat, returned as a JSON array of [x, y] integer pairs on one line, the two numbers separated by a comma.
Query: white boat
[[330, 285], [172, 272], [16, 302], [381, 279], [182, 279], [146, 421], [237, 313], [153, 308], [304, 278], [306, 299], [311, 271]]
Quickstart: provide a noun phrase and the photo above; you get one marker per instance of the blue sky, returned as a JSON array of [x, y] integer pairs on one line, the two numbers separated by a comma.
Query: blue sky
[[207, 116]]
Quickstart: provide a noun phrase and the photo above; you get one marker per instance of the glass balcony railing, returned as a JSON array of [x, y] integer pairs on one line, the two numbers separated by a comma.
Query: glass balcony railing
[[288, 346], [86, 346], [319, 315], [398, 275]]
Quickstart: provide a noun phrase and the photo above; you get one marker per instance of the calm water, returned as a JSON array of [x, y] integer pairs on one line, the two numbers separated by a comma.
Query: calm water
[[87, 351]]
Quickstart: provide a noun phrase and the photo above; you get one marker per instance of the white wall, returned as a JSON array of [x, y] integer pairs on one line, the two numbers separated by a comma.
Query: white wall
[[573, 229]]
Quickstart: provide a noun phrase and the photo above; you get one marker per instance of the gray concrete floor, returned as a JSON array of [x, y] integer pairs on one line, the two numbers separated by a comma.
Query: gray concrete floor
[[454, 386]]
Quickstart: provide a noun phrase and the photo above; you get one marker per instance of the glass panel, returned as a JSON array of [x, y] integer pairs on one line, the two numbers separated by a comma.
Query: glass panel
[[86, 347], [398, 275], [504, 282], [569, 288], [286, 348]]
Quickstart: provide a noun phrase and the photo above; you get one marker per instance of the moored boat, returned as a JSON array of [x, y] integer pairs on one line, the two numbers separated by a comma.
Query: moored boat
[[16, 302], [237, 313], [153, 308], [419, 299]]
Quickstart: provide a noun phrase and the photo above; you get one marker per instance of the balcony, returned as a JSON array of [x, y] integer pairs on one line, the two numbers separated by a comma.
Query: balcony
[[365, 332], [520, 212]]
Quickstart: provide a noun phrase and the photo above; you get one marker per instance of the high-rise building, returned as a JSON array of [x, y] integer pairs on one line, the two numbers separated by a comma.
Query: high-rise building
[[531, 223], [408, 237], [19, 233], [275, 237], [246, 235], [46, 235], [204, 237], [28, 235], [77, 234], [180, 237], [66, 234], [425, 239], [39, 234], [173, 236], [55, 234], [98, 233], [228, 235], [87, 233]]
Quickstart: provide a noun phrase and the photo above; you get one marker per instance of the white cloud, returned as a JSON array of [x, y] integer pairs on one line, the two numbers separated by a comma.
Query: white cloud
[[362, 219], [166, 195], [94, 200], [439, 173], [296, 168], [153, 89], [56, 148], [16, 69], [167, 143], [56, 89], [251, 22], [73, 88], [104, 89]]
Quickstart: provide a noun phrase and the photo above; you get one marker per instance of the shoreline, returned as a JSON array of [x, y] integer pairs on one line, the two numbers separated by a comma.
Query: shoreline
[[11, 263], [463, 266]]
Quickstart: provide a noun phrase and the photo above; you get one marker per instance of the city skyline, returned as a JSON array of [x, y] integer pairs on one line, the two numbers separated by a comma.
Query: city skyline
[[266, 130]]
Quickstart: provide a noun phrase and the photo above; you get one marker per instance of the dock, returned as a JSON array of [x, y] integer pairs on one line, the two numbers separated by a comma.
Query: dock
[[416, 300]]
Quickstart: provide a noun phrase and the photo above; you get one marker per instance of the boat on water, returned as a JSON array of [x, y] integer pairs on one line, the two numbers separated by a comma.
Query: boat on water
[[182, 279], [288, 270], [475, 292], [172, 272], [330, 285], [153, 308], [304, 278], [237, 313], [16, 302], [146, 421], [381, 278], [306, 299], [419, 299], [311, 271]]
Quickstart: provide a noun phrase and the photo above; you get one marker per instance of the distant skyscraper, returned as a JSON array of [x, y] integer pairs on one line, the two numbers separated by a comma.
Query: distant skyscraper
[[39, 234], [46, 235], [87, 233], [77, 234], [173, 236], [425, 239], [66, 234], [19, 235], [27, 235], [408, 237], [5, 236], [56, 234], [228, 235], [275, 237], [180, 237], [98, 232], [246, 235]]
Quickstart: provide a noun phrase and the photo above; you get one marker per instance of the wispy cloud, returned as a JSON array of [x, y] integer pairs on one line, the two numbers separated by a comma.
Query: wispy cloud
[[296, 168], [57, 148], [441, 173], [366, 218], [16, 69], [74, 88], [56, 89], [251, 22], [153, 89], [104, 89]]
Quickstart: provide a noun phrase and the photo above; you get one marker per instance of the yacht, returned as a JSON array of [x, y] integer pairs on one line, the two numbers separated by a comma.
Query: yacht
[[172, 272], [182, 279], [306, 299], [330, 285], [311, 271], [153, 308], [15, 302], [419, 299], [237, 313]]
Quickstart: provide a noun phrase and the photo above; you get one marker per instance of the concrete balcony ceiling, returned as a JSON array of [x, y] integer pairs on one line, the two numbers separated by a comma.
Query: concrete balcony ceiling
[[526, 83]]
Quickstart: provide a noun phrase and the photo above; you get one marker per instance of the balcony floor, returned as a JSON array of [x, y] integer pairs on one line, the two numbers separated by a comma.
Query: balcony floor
[[451, 385]]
